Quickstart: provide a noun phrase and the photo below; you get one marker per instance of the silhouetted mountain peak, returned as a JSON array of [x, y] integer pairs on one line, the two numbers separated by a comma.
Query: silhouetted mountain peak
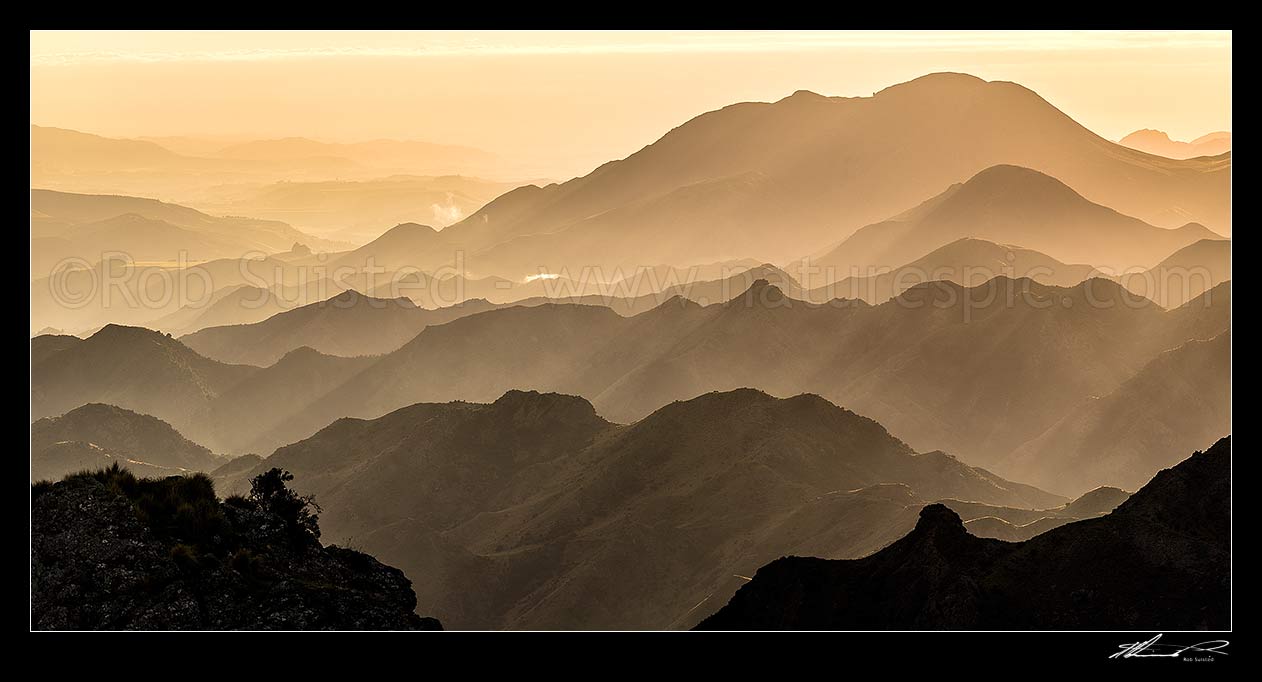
[[934, 82], [406, 228], [1017, 183], [761, 293], [350, 297], [805, 96], [939, 519], [676, 302], [113, 333], [301, 353], [1146, 134], [1171, 538], [1199, 228], [541, 408]]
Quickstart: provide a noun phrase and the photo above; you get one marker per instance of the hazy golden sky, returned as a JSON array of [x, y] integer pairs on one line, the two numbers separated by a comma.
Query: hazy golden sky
[[567, 101]]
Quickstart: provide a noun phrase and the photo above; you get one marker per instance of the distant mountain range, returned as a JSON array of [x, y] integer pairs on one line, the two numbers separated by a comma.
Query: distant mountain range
[[95, 436], [77, 216], [351, 324], [173, 298], [1171, 538], [80, 230], [932, 336], [1010, 205], [1016, 525], [942, 366], [74, 161], [777, 181], [977, 372], [1159, 143], [1184, 274], [533, 512], [133, 368], [771, 182], [354, 211], [967, 261]]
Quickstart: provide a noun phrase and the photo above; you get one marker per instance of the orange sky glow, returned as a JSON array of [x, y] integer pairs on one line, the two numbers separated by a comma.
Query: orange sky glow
[[561, 103]]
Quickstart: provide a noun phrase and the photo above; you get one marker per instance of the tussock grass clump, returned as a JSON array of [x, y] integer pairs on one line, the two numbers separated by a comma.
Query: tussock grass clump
[[183, 509]]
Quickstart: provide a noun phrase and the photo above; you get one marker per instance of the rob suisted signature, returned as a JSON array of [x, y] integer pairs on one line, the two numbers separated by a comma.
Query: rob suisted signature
[[1151, 649]]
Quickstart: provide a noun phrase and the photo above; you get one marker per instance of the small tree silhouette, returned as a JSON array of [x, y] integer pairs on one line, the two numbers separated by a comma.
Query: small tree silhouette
[[269, 491]]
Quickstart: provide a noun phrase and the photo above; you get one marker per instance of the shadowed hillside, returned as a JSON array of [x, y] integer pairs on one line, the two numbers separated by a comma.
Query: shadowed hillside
[[1172, 538], [95, 436], [533, 512], [1010, 205]]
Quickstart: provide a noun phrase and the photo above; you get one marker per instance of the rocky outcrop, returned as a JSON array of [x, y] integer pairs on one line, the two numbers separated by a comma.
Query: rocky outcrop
[[101, 560], [1160, 561]]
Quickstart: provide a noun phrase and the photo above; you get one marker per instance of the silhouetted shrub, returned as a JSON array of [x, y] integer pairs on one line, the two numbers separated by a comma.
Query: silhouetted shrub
[[269, 491], [40, 487], [180, 508], [240, 502]]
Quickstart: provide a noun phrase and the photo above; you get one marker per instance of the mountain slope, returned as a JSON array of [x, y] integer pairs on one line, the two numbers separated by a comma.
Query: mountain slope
[[1011, 205], [356, 211], [966, 261], [352, 324], [716, 186], [135, 369], [1183, 396], [59, 147], [348, 324], [941, 366], [245, 234], [976, 372], [1184, 274], [143, 239], [249, 416], [116, 433], [1171, 538], [555, 518]]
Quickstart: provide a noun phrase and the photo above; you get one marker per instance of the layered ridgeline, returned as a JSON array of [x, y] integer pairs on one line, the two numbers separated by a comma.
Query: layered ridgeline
[[226, 407], [110, 551], [966, 261], [95, 436], [1159, 143], [355, 211], [975, 371], [224, 175], [352, 324], [170, 298], [85, 226], [941, 366], [1172, 539], [1184, 274], [719, 188], [728, 183], [1010, 205], [534, 512], [1016, 524], [1180, 398], [348, 325]]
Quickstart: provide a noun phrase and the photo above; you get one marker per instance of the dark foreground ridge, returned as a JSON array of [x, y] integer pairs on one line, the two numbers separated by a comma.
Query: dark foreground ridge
[[113, 552], [1160, 561]]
